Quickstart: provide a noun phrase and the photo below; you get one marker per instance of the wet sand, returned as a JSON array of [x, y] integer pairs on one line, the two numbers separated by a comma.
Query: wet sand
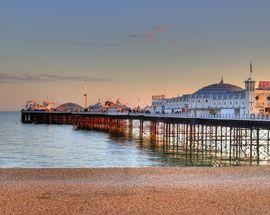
[[229, 190]]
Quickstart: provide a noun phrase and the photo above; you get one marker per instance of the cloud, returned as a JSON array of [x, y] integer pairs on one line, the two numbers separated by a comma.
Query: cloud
[[149, 36], [111, 44], [72, 43], [144, 37], [158, 29], [7, 78], [134, 35]]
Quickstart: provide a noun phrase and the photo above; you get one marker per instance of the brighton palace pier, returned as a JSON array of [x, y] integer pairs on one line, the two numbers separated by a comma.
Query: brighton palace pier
[[220, 99], [220, 123]]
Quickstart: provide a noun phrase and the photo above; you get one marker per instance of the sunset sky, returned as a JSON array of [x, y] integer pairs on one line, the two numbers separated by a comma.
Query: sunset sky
[[128, 49]]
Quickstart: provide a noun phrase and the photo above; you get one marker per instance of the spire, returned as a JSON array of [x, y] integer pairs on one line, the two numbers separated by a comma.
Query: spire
[[85, 94], [250, 69], [221, 81]]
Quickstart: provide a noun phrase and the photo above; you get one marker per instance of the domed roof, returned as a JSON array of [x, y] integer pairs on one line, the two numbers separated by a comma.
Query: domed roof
[[69, 107], [96, 107], [218, 88]]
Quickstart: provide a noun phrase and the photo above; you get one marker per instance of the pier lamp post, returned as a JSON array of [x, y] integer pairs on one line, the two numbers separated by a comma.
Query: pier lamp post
[[85, 95]]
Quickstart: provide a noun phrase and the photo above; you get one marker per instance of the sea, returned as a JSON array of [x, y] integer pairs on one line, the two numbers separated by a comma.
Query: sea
[[60, 146], [63, 146]]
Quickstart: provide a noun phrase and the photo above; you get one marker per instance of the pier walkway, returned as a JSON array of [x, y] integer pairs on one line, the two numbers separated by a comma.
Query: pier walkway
[[232, 139], [262, 121]]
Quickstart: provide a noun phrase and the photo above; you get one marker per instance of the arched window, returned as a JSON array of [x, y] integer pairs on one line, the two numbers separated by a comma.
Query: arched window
[[257, 98]]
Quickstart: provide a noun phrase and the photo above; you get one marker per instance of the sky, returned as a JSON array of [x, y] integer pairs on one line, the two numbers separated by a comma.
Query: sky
[[127, 49]]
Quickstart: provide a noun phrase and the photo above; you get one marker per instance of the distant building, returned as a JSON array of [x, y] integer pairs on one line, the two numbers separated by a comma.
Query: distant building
[[69, 107], [220, 98], [108, 107], [45, 105], [97, 108]]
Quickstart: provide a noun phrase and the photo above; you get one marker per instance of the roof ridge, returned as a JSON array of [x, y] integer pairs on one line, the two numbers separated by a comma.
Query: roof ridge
[[218, 87]]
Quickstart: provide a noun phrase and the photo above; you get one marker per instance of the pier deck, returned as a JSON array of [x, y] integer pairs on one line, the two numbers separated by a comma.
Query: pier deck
[[232, 140], [247, 121]]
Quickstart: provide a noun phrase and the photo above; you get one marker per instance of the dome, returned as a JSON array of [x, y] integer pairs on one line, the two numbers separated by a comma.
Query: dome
[[95, 107], [67, 107], [218, 88]]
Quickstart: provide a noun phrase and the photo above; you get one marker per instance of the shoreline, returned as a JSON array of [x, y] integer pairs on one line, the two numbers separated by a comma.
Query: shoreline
[[147, 190]]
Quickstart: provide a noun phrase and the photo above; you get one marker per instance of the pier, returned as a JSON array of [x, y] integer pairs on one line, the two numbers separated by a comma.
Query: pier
[[233, 141]]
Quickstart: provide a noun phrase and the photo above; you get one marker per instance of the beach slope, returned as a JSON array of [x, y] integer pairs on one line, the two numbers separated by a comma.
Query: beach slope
[[229, 190]]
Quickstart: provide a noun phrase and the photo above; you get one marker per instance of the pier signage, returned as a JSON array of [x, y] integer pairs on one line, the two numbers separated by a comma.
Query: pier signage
[[264, 85], [158, 97]]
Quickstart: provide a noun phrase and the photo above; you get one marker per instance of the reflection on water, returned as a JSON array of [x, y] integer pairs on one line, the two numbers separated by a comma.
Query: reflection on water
[[26, 145], [40, 146]]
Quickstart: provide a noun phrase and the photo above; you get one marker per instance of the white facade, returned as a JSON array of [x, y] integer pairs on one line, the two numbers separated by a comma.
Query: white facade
[[218, 99]]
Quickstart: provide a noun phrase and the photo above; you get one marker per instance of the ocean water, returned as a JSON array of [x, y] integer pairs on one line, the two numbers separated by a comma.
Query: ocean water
[[53, 146], [60, 146]]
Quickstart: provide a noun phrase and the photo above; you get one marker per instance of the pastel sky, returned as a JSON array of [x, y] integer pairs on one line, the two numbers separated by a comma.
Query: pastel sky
[[127, 49]]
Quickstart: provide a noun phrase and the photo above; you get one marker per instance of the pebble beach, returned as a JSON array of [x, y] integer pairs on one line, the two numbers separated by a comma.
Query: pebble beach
[[228, 190]]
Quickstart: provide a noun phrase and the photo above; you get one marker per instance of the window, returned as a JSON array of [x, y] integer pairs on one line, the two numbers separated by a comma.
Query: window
[[257, 98], [268, 98]]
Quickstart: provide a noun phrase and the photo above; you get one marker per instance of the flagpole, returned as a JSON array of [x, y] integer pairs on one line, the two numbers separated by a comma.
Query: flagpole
[[250, 72]]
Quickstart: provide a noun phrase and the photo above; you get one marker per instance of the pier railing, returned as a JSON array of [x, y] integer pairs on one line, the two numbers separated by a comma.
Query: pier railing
[[262, 121], [249, 117]]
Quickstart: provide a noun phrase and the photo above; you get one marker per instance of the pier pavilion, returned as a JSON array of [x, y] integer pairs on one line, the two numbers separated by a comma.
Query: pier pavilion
[[219, 99]]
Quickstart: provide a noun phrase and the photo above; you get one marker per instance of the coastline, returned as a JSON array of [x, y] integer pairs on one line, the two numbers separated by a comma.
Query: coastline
[[150, 190]]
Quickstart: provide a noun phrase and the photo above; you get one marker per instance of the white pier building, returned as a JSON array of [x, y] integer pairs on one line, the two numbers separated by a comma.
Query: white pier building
[[219, 99]]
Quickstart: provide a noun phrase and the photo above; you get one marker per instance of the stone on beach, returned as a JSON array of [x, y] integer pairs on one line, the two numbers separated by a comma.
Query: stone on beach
[[230, 190]]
